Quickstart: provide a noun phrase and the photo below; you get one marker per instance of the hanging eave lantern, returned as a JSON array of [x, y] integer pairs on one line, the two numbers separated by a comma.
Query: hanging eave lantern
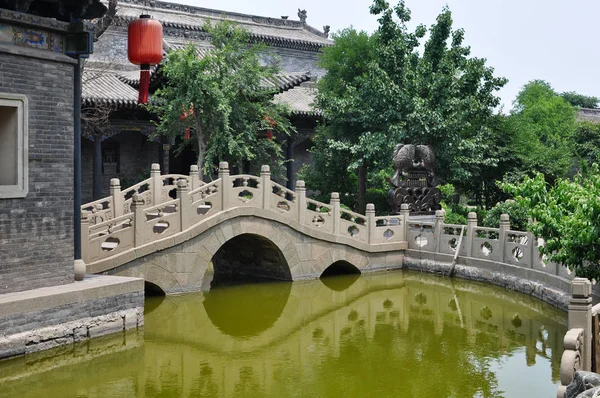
[[145, 48]]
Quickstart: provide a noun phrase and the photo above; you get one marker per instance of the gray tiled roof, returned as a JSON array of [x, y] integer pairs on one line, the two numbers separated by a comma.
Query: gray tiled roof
[[184, 17], [589, 115], [300, 100], [105, 88]]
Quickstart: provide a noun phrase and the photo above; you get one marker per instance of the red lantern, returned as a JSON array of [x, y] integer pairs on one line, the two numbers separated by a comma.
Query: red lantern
[[145, 48]]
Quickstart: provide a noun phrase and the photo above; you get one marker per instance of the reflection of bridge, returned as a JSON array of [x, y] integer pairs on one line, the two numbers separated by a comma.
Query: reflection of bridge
[[167, 230], [187, 346]]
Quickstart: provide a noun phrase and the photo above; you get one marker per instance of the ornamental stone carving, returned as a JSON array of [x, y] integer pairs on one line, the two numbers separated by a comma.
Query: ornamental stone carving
[[302, 14], [584, 384], [414, 181]]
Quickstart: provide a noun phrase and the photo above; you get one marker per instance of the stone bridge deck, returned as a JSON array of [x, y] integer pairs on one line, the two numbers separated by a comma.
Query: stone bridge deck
[[169, 228]]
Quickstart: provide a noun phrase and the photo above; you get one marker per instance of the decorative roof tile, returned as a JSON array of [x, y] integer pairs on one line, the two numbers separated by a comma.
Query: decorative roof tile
[[300, 100]]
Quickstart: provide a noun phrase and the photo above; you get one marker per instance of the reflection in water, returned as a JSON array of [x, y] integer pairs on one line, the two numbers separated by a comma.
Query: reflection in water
[[243, 311], [340, 283], [388, 335]]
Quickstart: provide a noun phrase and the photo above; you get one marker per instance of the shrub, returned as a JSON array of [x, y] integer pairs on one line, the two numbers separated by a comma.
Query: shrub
[[518, 214]]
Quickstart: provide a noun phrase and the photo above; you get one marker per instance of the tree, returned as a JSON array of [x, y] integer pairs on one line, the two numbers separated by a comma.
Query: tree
[[220, 99], [379, 90], [579, 100], [567, 217], [587, 142], [543, 128]]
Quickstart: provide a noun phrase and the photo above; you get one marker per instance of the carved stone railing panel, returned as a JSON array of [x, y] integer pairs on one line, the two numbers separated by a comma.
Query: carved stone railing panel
[[139, 188], [205, 202], [388, 229], [518, 247], [245, 191], [486, 244], [319, 215], [449, 239], [100, 210], [282, 200], [420, 236], [168, 187], [161, 221], [109, 238]]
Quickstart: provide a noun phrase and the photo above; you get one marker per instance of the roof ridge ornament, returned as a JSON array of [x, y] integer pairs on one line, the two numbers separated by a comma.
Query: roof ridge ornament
[[302, 14]]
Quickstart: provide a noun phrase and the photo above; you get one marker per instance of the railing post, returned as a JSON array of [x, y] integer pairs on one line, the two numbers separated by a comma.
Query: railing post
[[301, 195], [504, 227], [335, 208], [184, 203], [580, 316], [155, 184], [265, 185], [117, 198], [85, 236], [195, 177], [371, 222], [225, 184], [471, 225], [137, 208], [439, 227], [405, 214]]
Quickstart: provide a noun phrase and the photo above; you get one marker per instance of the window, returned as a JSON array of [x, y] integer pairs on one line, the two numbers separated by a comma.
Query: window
[[14, 130], [110, 158]]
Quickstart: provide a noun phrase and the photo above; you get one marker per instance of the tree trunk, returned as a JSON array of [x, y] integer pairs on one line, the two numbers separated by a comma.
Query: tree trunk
[[362, 188], [201, 148]]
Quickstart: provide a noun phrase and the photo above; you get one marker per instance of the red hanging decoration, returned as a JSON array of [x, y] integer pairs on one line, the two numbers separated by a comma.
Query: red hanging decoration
[[145, 48]]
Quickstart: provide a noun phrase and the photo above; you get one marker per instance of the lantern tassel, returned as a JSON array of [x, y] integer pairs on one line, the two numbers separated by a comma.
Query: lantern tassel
[[144, 84]]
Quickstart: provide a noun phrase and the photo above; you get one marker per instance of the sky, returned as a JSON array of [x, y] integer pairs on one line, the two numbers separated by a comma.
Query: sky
[[523, 40]]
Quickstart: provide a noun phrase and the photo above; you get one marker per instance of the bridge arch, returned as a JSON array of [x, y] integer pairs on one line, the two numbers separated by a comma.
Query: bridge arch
[[250, 256]]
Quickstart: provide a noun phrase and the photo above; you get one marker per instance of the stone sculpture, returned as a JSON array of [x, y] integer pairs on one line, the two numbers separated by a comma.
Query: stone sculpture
[[414, 181], [584, 385], [302, 14]]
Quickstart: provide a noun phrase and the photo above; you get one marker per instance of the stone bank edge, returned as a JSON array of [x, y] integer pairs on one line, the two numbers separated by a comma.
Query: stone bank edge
[[46, 318]]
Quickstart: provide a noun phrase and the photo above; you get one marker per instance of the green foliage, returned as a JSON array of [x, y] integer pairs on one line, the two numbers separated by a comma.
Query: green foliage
[[579, 100], [380, 90], [448, 192], [567, 216], [519, 215], [587, 142], [454, 214], [219, 97], [542, 127]]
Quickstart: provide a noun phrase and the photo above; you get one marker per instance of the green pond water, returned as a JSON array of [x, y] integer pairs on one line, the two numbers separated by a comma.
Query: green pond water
[[396, 334]]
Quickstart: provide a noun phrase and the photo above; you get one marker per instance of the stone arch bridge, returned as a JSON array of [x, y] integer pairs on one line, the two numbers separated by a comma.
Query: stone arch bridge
[[170, 229]]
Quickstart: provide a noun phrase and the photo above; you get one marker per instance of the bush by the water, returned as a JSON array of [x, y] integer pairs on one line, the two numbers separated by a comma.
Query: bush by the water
[[518, 214]]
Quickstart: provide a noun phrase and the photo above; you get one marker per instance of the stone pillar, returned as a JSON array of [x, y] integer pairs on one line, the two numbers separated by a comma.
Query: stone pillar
[[117, 198], [225, 183], [265, 185], [184, 204], [85, 235], [155, 184], [371, 223], [404, 214], [504, 227], [301, 195], [580, 316], [335, 209], [79, 264], [195, 177], [471, 225], [439, 226], [137, 208]]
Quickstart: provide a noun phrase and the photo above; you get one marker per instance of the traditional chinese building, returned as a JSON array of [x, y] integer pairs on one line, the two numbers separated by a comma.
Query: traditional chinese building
[[117, 144]]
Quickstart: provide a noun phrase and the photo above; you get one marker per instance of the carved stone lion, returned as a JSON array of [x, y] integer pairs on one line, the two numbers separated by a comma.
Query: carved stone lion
[[411, 157]]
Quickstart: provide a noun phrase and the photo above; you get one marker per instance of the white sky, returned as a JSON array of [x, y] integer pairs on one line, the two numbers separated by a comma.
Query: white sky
[[554, 40]]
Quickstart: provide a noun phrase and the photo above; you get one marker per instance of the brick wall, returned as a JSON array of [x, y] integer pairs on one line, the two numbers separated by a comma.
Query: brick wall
[[136, 155], [36, 232]]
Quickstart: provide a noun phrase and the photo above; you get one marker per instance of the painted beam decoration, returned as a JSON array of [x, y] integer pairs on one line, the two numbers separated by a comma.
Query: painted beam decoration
[[62, 10]]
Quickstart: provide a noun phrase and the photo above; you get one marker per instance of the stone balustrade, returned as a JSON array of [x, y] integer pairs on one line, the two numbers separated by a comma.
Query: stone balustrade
[[582, 340], [167, 205]]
